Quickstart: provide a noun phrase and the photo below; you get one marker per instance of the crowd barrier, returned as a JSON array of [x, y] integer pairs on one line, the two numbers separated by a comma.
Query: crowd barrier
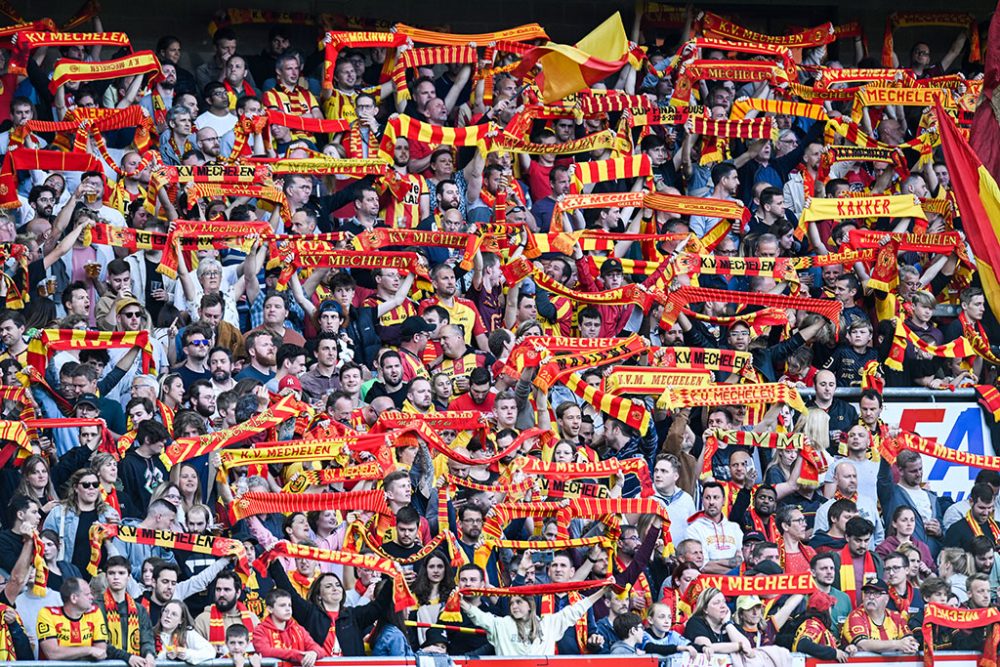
[[947, 658]]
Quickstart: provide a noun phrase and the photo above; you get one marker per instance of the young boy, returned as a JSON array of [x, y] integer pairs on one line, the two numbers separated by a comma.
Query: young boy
[[279, 636], [851, 356], [628, 629], [239, 648]]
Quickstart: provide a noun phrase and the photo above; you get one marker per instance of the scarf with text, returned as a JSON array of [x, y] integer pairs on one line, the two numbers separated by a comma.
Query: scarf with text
[[880, 96], [959, 618], [726, 70], [813, 462], [25, 42], [666, 203], [879, 206], [928, 19], [731, 394], [24, 159], [220, 190], [763, 586], [54, 340], [139, 63], [401, 592], [219, 234], [303, 479], [554, 369], [183, 449], [219, 547], [704, 358], [295, 254], [335, 41], [470, 244], [650, 381], [598, 469], [129, 643], [522, 33], [713, 25], [17, 443], [323, 165]]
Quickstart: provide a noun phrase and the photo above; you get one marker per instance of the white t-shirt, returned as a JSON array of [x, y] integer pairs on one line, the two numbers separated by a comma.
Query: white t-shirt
[[719, 541]]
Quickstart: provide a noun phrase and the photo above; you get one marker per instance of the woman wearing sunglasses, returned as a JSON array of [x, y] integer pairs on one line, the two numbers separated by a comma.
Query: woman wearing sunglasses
[[72, 519]]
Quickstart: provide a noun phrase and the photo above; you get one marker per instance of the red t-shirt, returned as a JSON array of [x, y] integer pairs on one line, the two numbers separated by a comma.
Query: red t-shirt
[[537, 179], [465, 402]]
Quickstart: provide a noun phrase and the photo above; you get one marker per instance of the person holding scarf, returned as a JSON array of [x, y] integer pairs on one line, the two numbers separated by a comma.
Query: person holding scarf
[[337, 627], [522, 632], [977, 521], [227, 610], [856, 565], [130, 632]]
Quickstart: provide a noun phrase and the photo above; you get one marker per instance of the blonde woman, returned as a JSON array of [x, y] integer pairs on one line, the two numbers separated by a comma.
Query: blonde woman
[[954, 566], [710, 628], [522, 632], [71, 520]]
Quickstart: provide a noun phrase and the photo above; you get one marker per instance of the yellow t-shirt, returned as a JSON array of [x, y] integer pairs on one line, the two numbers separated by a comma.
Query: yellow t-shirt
[[88, 630]]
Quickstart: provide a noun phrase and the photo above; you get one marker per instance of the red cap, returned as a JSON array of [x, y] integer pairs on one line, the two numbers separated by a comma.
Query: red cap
[[289, 381]]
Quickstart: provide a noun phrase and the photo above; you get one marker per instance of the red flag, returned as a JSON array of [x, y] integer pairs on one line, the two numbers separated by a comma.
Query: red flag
[[978, 200]]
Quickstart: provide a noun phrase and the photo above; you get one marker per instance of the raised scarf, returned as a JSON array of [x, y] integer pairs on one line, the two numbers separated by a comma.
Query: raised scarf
[[755, 129], [522, 33], [879, 206], [439, 55], [304, 479], [926, 19], [401, 592], [555, 369], [632, 413], [307, 123], [54, 340], [813, 462], [704, 358], [650, 381], [731, 394], [880, 96], [27, 41], [253, 503], [227, 233], [599, 469], [435, 135], [760, 585], [612, 169], [129, 643], [713, 25], [470, 244], [25, 159], [183, 449], [683, 297], [306, 254], [139, 63], [322, 165], [40, 582], [937, 615], [452, 611], [666, 203], [778, 107]]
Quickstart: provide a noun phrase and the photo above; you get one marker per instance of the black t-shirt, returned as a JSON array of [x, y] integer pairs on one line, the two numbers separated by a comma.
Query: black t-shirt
[[379, 389], [81, 541], [189, 376], [697, 627], [154, 280]]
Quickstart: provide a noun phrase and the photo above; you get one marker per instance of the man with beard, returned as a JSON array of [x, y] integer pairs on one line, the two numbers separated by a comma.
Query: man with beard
[[543, 208], [220, 365], [845, 476], [721, 540], [209, 143], [390, 382], [408, 200], [469, 530], [201, 398], [226, 610], [447, 197], [760, 517], [41, 202], [842, 414], [261, 351], [160, 97], [366, 209], [419, 397], [461, 311], [196, 341], [130, 186]]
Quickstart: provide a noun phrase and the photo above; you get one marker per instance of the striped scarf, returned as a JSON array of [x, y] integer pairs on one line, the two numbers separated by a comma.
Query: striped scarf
[[217, 624], [848, 584], [129, 643], [8, 652], [439, 55], [926, 19], [54, 340]]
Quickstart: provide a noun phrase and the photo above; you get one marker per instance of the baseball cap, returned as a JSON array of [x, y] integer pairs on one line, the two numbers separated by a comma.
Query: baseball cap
[[766, 567], [754, 536], [87, 399], [413, 325], [289, 382], [611, 265], [876, 585], [747, 602], [328, 306]]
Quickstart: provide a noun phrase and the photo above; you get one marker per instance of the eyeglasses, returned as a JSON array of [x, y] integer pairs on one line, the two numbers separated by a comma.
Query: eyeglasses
[[199, 343], [89, 485], [212, 274], [894, 568]]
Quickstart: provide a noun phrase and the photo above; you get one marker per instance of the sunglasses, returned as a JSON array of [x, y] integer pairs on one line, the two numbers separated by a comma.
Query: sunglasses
[[199, 343], [90, 485]]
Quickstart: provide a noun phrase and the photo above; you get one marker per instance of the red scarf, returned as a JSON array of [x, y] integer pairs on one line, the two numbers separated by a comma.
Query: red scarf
[[217, 624], [111, 498], [847, 581], [902, 604], [769, 531], [332, 644]]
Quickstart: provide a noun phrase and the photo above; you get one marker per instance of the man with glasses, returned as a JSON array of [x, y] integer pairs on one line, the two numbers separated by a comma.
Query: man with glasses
[[218, 116], [874, 628], [794, 553], [196, 341], [904, 597]]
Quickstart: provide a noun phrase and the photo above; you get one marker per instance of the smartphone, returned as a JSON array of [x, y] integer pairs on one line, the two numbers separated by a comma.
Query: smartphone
[[541, 557]]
